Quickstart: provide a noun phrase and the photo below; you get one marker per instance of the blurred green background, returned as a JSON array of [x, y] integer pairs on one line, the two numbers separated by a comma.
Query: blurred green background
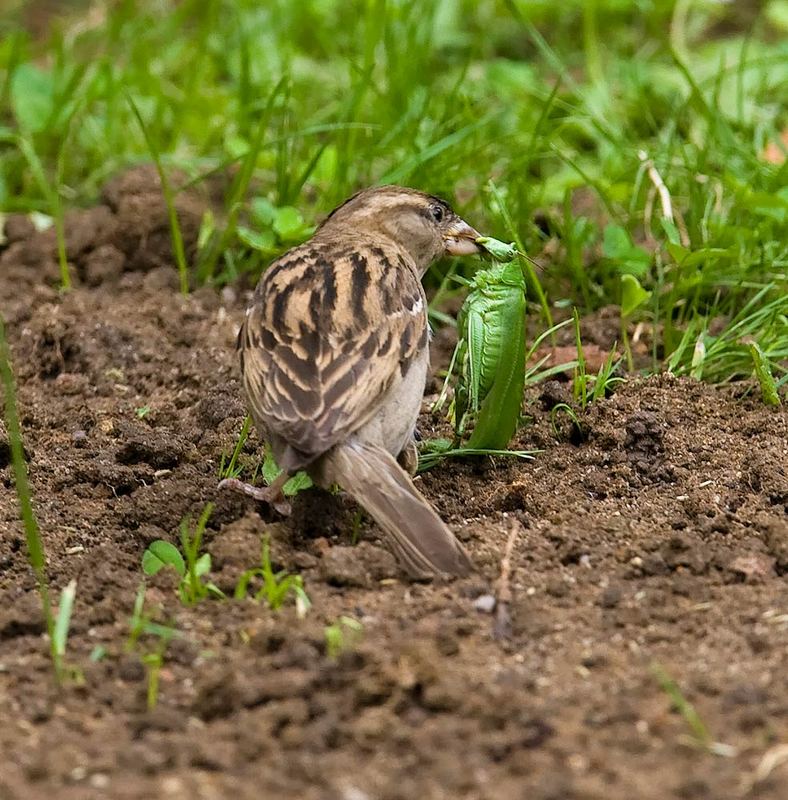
[[550, 123]]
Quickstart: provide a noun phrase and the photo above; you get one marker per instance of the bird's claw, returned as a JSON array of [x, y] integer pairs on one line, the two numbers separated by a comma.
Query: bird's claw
[[264, 494]]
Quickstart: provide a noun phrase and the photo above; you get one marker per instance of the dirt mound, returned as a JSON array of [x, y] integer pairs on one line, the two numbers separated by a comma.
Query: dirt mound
[[661, 536], [129, 232]]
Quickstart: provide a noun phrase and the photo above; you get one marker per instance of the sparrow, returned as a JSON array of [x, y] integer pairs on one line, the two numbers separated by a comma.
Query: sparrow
[[334, 354]]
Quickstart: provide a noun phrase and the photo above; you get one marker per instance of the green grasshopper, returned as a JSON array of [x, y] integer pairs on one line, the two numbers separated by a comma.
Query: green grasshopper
[[490, 354]]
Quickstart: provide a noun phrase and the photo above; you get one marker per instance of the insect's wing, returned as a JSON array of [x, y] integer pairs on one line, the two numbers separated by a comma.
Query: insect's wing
[[500, 408], [494, 330], [475, 338]]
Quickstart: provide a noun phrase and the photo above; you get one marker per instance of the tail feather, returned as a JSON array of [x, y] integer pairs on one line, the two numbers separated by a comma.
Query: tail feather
[[418, 536]]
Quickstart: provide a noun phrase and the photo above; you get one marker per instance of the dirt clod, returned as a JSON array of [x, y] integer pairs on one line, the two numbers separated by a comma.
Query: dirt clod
[[357, 566]]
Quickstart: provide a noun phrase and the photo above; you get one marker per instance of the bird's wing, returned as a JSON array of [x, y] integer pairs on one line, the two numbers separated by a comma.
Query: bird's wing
[[329, 331]]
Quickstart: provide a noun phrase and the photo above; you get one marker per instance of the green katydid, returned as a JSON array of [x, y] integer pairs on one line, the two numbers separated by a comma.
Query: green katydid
[[490, 355]]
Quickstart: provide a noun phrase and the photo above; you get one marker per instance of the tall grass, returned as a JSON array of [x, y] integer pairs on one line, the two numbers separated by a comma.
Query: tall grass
[[301, 104]]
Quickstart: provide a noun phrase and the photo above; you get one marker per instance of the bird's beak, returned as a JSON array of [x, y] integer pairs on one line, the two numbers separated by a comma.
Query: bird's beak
[[460, 240]]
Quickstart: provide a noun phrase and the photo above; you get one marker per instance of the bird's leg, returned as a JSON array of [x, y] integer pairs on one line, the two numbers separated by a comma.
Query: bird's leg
[[266, 494], [408, 459]]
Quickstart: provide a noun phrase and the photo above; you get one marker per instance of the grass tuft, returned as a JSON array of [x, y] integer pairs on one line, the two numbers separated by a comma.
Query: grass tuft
[[190, 565], [274, 586]]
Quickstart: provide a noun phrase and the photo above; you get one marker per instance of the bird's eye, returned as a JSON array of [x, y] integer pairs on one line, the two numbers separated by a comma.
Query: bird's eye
[[437, 213]]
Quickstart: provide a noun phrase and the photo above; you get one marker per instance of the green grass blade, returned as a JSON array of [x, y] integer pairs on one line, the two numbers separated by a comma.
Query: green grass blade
[[683, 706], [172, 214], [765, 378], [63, 620], [230, 470], [35, 544], [404, 171], [55, 206]]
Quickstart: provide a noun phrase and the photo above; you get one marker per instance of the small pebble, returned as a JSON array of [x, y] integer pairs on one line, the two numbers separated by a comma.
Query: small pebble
[[131, 669], [79, 438], [484, 603], [99, 780], [610, 597], [556, 587], [353, 793]]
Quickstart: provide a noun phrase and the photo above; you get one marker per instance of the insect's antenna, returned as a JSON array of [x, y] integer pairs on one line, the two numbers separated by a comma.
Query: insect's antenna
[[539, 266]]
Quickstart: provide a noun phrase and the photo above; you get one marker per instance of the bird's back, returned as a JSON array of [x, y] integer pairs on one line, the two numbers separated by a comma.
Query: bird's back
[[332, 324]]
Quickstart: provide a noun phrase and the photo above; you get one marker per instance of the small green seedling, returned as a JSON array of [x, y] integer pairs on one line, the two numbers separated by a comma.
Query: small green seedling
[[142, 412], [51, 191], [275, 586], [563, 408], [633, 295], [141, 624], [765, 378], [587, 387], [63, 618], [231, 468], [191, 570], [537, 371], [60, 633], [153, 662], [98, 653], [490, 354], [580, 381], [699, 734], [605, 380], [271, 472], [169, 199], [342, 636]]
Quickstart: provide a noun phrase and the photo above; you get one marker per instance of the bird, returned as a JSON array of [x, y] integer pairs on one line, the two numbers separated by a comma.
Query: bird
[[334, 356]]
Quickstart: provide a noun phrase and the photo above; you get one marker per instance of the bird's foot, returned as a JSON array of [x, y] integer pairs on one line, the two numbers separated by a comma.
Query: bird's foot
[[265, 494]]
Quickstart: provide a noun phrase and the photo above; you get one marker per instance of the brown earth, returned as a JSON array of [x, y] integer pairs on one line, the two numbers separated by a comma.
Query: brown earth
[[658, 535]]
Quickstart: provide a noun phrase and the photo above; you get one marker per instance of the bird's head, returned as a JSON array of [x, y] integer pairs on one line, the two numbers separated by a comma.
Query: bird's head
[[423, 225]]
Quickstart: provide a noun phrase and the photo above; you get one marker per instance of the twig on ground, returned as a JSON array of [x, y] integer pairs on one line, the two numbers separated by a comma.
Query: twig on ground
[[502, 620]]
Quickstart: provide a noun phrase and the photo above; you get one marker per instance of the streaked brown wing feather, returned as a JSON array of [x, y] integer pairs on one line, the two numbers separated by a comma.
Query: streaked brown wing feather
[[330, 329]]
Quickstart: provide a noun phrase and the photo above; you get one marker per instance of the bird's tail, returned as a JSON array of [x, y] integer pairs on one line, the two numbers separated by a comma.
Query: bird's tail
[[418, 536]]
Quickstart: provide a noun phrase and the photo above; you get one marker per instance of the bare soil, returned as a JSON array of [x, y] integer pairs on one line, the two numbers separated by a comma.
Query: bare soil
[[657, 535]]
